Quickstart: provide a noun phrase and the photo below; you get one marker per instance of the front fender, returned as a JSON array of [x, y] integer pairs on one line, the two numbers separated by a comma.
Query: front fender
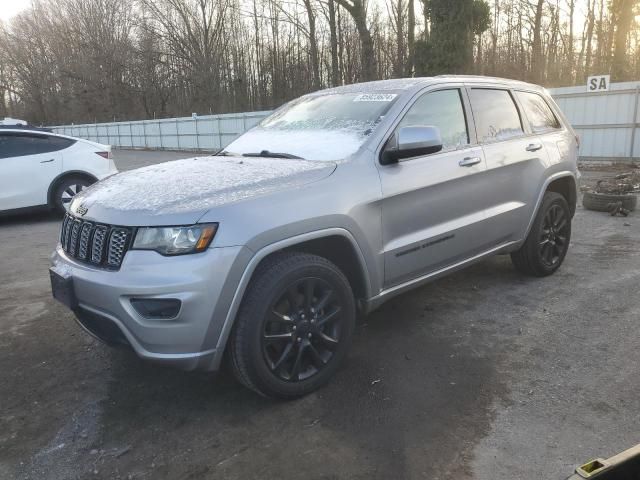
[[223, 333]]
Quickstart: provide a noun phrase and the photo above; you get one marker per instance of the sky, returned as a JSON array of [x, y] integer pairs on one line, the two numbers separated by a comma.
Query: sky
[[8, 8]]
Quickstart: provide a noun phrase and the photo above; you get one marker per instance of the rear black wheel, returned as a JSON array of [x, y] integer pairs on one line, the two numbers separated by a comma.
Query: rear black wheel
[[548, 241], [66, 189], [294, 326]]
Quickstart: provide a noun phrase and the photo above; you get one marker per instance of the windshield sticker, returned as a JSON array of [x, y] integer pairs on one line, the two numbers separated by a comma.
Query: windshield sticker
[[375, 97]]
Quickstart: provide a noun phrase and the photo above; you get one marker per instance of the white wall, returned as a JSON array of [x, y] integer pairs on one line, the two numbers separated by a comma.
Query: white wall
[[607, 122]]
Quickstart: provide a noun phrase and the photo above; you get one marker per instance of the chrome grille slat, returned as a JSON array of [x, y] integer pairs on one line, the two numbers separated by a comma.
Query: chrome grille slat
[[101, 245], [63, 229], [117, 245], [67, 233], [75, 233], [85, 235], [97, 248]]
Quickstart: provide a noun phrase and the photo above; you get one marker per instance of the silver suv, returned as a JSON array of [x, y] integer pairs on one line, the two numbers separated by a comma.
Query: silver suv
[[336, 202]]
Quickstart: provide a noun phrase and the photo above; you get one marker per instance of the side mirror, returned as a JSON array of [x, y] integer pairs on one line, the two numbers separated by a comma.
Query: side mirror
[[412, 142]]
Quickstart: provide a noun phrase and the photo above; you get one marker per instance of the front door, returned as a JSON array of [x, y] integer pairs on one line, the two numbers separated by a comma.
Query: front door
[[27, 167], [433, 205]]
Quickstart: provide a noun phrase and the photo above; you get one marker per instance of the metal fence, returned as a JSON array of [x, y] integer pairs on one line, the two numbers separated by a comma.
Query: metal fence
[[208, 132], [607, 123]]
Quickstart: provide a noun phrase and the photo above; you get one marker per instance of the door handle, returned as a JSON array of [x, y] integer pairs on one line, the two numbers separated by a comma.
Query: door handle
[[47, 161], [533, 147], [469, 161]]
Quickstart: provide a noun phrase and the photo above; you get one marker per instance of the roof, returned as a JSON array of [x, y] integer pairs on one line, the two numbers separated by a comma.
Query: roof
[[410, 84], [25, 128]]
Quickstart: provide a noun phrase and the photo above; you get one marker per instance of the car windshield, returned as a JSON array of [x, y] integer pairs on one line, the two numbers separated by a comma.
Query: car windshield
[[317, 127]]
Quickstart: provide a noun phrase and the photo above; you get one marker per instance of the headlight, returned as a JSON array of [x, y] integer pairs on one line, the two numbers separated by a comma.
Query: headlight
[[175, 240]]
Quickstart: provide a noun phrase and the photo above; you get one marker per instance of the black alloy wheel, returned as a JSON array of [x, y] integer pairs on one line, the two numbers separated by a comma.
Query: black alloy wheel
[[547, 243], [302, 330], [554, 235], [294, 326]]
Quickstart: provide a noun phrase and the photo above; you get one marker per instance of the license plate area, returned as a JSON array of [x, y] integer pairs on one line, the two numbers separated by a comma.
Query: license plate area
[[62, 289]]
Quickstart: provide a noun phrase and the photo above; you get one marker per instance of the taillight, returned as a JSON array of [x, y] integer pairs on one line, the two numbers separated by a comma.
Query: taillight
[[104, 154]]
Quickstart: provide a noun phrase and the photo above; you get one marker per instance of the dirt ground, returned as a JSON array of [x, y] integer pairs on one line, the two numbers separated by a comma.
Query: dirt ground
[[485, 374]]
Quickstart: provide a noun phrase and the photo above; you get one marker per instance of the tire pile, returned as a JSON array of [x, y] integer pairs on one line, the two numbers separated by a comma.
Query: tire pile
[[617, 195]]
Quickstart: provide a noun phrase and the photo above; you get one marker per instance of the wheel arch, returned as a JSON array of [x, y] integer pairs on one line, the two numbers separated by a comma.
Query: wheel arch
[[565, 186], [317, 242], [558, 180], [66, 174]]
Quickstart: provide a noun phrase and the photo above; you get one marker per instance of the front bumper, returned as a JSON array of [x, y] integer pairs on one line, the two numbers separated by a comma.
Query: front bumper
[[202, 282]]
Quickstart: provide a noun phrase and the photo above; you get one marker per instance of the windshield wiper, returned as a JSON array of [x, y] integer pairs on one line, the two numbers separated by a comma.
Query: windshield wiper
[[224, 153], [267, 153]]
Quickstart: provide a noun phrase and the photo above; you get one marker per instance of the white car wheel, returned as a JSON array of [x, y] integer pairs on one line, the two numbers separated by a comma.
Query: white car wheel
[[66, 190]]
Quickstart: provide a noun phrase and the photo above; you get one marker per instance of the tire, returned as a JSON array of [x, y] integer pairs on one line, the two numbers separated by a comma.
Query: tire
[[279, 325], [600, 201], [548, 241], [66, 189]]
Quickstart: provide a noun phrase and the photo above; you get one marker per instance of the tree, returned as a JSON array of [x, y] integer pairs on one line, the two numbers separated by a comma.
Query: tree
[[623, 11], [358, 11], [450, 45]]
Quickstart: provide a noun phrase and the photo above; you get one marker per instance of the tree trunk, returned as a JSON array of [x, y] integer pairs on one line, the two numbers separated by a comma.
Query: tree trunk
[[356, 9], [313, 45], [411, 38], [570, 53], [333, 40], [537, 65], [624, 17]]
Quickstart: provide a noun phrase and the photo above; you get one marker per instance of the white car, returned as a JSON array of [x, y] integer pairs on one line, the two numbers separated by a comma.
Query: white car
[[43, 169]]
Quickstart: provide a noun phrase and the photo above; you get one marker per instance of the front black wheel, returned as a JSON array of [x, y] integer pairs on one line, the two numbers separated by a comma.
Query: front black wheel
[[294, 326], [548, 241]]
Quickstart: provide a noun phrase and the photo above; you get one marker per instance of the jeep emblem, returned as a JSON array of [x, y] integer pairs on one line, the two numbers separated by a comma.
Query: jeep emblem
[[82, 210]]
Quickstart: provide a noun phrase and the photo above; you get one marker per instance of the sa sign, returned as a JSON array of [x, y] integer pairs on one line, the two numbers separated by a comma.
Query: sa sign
[[598, 83]]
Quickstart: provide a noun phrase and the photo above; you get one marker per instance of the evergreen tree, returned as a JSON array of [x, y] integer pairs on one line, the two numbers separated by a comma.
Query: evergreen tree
[[454, 24]]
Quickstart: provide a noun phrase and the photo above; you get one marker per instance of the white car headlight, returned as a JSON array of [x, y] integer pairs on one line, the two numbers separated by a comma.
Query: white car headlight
[[175, 240]]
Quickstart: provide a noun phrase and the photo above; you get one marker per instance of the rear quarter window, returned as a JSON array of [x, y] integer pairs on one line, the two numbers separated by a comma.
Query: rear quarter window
[[495, 114], [540, 116]]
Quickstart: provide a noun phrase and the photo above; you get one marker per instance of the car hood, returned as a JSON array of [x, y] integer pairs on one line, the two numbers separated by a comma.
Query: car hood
[[182, 191]]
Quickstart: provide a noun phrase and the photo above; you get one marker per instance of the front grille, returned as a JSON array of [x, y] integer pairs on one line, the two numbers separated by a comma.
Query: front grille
[[101, 245]]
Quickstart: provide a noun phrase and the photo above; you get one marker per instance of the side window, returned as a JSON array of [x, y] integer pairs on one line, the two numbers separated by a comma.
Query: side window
[[12, 145], [6, 146], [540, 116], [23, 144], [442, 109], [495, 114]]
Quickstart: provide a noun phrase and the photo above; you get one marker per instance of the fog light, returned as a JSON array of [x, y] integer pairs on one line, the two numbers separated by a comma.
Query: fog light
[[162, 308]]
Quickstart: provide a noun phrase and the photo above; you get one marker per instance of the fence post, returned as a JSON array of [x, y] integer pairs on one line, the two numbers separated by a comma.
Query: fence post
[[160, 134], [119, 137], [635, 122], [144, 133], [177, 134], [220, 147], [131, 134], [197, 134]]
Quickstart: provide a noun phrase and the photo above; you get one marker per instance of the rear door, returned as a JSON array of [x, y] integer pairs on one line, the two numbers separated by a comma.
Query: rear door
[[515, 159], [29, 162], [559, 144], [433, 205]]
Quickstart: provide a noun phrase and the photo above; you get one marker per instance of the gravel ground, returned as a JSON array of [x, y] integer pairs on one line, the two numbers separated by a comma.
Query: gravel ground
[[485, 374]]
